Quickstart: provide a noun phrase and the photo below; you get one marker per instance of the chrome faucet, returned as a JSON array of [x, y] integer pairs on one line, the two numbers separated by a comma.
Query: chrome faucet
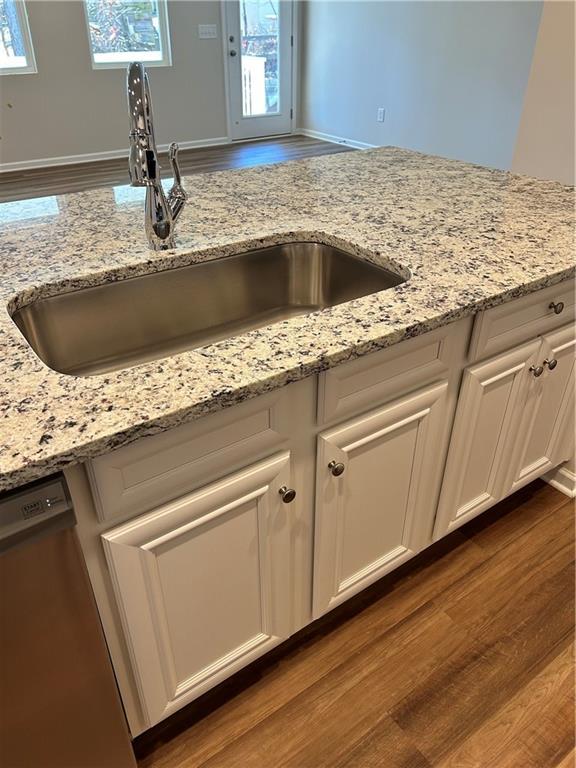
[[161, 212]]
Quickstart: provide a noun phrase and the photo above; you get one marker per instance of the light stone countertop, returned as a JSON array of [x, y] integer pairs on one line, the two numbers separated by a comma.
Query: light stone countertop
[[470, 236]]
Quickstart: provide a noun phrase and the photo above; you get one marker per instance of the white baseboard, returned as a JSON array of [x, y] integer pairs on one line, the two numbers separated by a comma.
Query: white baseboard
[[94, 157], [563, 480], [335, 139]]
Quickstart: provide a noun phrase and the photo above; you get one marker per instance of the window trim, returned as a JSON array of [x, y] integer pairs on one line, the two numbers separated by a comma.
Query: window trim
[[30, 68], [165, 61]]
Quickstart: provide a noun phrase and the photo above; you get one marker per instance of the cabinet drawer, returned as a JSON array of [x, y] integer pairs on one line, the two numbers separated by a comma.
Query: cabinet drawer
[[157, 469], [363, 383], [515, 322]]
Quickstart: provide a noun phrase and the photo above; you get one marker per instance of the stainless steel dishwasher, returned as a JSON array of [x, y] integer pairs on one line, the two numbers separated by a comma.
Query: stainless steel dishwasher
[[59, 705]]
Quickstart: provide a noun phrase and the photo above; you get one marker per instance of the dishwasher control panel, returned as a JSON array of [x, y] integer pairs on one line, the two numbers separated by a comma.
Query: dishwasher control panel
[[32, 506]]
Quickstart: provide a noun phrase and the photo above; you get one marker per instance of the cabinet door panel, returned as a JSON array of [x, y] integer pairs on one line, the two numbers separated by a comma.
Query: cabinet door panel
[[489, 411], [550, 402], [366, 532], [376, 514], [230, 608], [203, 584]]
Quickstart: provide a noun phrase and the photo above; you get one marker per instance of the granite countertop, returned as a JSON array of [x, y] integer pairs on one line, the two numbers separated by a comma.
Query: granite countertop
[[471, 237]]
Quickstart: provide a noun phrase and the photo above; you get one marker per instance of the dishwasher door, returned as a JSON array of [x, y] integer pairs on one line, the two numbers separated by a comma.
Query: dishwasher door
[[59, 705]]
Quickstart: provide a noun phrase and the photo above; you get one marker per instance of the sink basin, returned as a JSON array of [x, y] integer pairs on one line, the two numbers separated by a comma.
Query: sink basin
[[121, 324]]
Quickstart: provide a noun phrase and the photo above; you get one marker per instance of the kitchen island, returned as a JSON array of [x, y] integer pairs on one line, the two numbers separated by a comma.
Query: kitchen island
[[470, 237], [229, 495]]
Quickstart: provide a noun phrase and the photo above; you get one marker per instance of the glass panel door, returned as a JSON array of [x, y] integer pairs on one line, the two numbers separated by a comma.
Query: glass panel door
[[259, 40]]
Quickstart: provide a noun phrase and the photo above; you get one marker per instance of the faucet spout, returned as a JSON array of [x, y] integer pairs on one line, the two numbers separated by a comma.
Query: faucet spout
[[160, 212]]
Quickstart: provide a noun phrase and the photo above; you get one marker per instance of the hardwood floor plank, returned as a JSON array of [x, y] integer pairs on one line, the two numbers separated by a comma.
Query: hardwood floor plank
[[324, 722], [530, 729], [288, 681], [385, 746], [489, 600], [568, 761], [496, 529], [470, 687]]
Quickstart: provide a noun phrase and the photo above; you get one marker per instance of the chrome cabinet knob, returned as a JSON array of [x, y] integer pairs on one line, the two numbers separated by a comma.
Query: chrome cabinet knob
[[536, 370], [551, 364], [336, 467], [558, 307], [288, 494]]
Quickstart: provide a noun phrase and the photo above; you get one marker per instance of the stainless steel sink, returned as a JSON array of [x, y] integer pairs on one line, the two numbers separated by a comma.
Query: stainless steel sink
[[118, 325]]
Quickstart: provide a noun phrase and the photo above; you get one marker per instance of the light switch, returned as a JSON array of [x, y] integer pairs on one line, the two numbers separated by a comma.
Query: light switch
[[207, 31]]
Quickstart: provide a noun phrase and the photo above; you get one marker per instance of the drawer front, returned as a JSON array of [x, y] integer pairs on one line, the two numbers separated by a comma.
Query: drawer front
[[364, 383], [157, 469], [515, 322]]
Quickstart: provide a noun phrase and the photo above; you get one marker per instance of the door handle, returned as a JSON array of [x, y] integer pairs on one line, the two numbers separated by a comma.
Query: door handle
[[233, 53]]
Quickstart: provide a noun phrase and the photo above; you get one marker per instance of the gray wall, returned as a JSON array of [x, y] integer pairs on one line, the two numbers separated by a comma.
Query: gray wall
[[545, 146], [68, 108], [450, 75]]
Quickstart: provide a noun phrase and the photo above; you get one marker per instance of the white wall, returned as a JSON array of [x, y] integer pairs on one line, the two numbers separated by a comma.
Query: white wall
[[451, 75], [545, 145], [68, 108]]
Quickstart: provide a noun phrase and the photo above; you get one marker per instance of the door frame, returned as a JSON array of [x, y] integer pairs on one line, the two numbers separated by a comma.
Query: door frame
[[295, 89]]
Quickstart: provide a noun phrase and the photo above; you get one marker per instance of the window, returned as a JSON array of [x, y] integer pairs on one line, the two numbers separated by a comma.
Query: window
[[16, 54], [260, 42], [121, 31]]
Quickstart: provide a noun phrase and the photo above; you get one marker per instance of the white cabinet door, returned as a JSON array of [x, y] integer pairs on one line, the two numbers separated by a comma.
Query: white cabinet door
[[490, 407], [548, 412], [203, 584], [379, 511]]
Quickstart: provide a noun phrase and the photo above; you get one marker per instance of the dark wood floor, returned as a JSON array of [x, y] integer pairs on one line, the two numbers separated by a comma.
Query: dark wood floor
[[461, 659], [18, 185]]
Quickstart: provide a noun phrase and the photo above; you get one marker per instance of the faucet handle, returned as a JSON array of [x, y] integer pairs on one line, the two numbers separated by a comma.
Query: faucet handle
[[177, 195], [173, 157]]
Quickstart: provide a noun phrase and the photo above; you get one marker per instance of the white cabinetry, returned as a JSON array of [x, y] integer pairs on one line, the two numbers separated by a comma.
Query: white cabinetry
[[487, 419], [376, 486], [202, 574], [512, 423], [203, 584], [548, 416], [208, 568]]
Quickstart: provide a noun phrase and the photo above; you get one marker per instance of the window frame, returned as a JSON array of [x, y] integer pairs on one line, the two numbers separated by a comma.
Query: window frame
[[164, 30], [30, 68]]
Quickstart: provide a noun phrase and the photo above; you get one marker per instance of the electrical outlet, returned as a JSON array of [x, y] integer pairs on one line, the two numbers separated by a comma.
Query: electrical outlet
[[380, 114], [207, 31]]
